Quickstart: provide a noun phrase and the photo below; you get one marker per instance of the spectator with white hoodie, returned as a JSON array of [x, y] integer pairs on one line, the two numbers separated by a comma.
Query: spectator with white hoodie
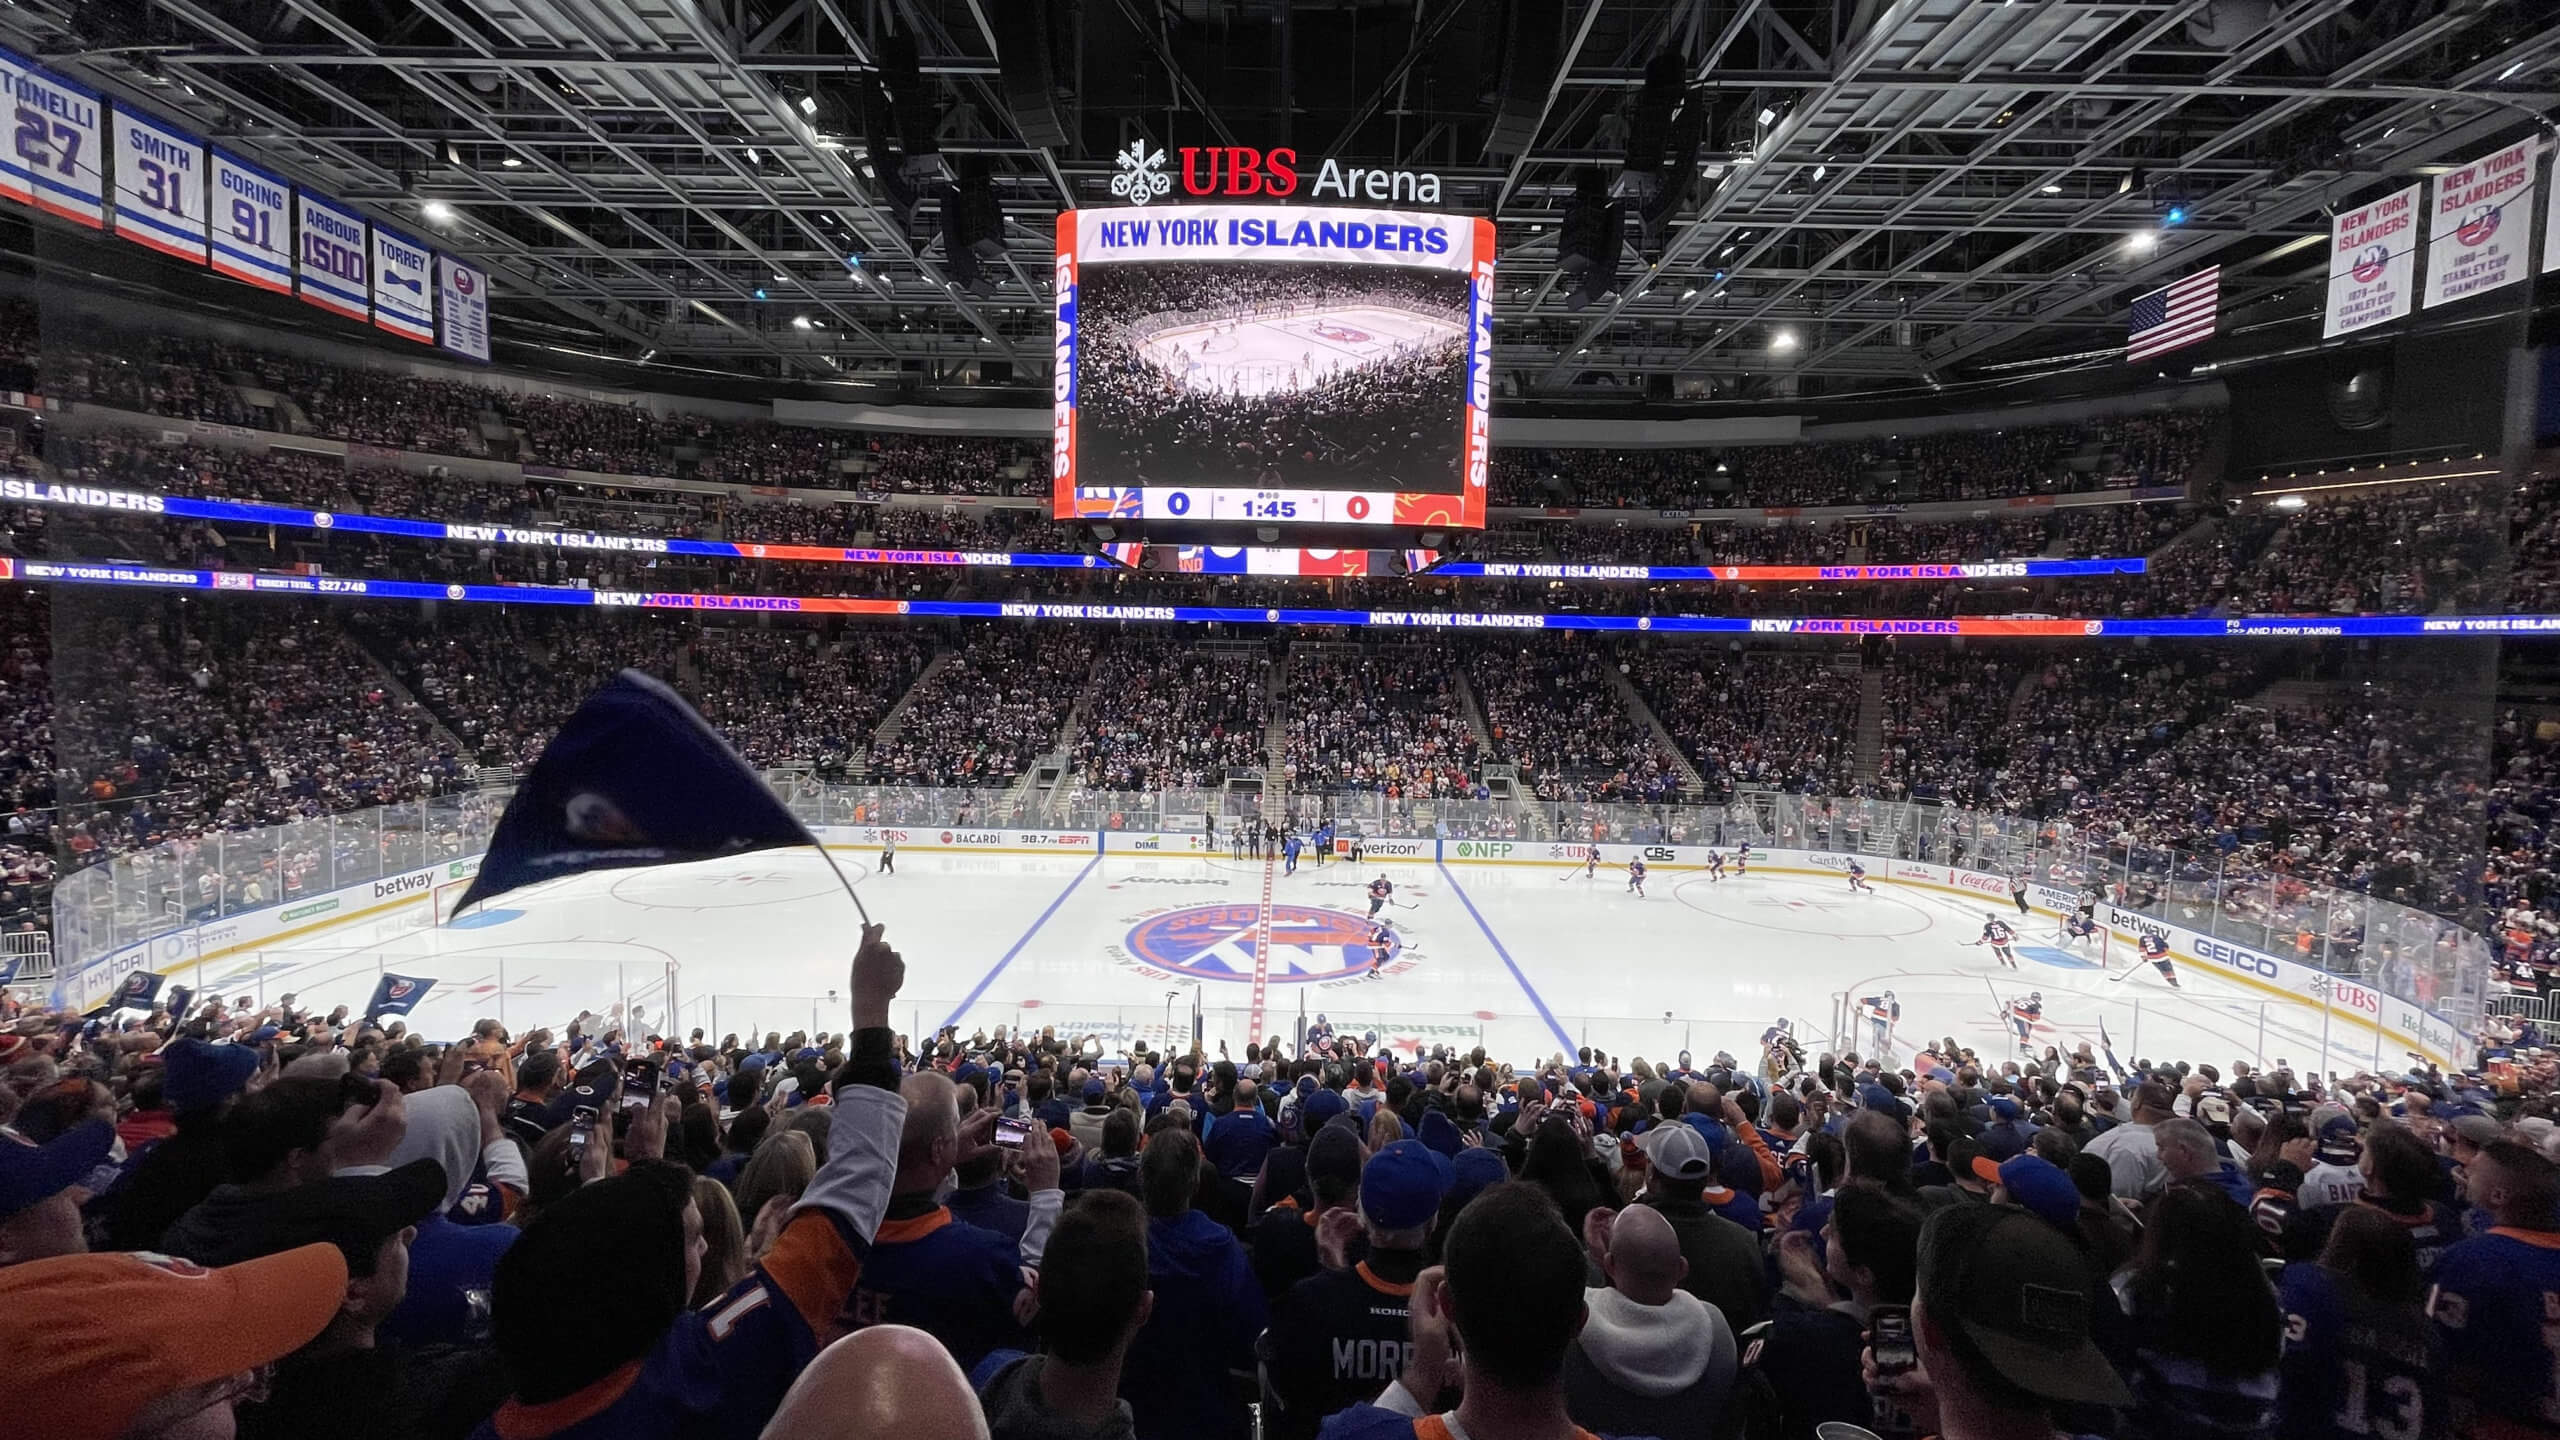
[[1652, 1359]]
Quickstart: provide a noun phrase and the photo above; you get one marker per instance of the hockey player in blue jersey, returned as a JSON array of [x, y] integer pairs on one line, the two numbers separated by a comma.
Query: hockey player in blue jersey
[[1997, 934], [2079, 928], [1379, 890], [1382, 943], [1635, 876], [1715, 864], [1742, 860], [2023, 1015], [1591, 862], [1858, 878], [2156, 950], [1881, 1012], [1289, 854]]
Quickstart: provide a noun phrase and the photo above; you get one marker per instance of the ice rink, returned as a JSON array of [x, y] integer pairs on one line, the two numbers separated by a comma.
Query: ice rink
[[1524, 959], [1262, 356]]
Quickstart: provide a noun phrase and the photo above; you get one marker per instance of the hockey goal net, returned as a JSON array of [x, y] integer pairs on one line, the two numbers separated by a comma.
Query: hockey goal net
[[447, 896]]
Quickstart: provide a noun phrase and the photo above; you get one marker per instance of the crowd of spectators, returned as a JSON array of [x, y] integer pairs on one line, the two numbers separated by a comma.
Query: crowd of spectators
[[1558, 716], [248, 1214], [1164, 715], [999, 702], [1387, 721], [2125, 452], [1786, 720]]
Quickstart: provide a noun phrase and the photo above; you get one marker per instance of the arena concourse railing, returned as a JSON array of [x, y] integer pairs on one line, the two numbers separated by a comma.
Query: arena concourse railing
[[185, 896]]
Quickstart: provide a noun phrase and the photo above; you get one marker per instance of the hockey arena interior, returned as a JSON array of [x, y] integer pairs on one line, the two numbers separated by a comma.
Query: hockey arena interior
[[1280, 720]]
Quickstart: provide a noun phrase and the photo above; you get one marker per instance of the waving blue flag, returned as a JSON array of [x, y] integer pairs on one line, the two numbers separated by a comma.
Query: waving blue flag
[[396, 994], [634, 778]]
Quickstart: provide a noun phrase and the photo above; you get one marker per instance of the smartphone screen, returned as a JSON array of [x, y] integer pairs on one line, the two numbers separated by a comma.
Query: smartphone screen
[[1889, 1335], [578, 1134], [639, 1083], [1010, 1133]]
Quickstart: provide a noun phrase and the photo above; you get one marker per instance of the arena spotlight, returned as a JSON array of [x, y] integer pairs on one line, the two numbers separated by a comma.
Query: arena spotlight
[[1594, 240], [437, 213], [2142, 242]]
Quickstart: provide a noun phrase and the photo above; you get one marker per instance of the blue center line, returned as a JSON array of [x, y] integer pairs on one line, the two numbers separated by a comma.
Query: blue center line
[[1508, 963], [990, 978]]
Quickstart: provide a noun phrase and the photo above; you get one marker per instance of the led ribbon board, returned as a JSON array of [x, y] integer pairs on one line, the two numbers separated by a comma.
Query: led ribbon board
[[149, 577]]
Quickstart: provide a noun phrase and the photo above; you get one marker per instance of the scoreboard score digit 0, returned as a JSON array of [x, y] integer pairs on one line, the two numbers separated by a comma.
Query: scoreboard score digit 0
[[1273, 365]]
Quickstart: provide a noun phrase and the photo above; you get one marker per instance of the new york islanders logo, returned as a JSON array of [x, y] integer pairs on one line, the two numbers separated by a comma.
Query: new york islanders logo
[[2478, 226], [2370, 264], [1216, 942]]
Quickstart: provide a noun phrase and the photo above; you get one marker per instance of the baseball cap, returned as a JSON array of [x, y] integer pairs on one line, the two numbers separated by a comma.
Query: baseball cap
[[1679, 1152], [1439, 1132], [1094, 1089], [1476, 1170], [2337, 1143], [1401, 1185], [2035, 1184], [356, 1213], [2017, 1291], [195, 1073], [2004, 1107], [2213, 1110], [1320, 1107], [2477, 1129], [30, 1172], [1333, 1153], [156, 1326]]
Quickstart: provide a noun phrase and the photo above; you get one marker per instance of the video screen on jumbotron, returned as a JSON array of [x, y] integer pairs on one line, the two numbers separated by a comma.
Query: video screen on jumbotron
[[1272, 364]]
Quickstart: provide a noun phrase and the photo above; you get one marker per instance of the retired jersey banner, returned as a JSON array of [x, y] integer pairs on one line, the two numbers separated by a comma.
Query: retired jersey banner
[[463, 293], [330, 265], [2481, 225], [2373, 263], [160, 195], [55, 158], [252, 224], [400, 279]]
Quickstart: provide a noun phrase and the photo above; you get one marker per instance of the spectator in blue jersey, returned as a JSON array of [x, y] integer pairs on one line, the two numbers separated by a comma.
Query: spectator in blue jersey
[[1089, 1300], [2359, 1356], [2203, 1331], [979, 1196], [1492, 1322], [2494, 1293], [452, 1265], [953, 1280], [1239, 1134], [1113, 1163], [1338, 1336], [1208, 1309], [630, 1361]]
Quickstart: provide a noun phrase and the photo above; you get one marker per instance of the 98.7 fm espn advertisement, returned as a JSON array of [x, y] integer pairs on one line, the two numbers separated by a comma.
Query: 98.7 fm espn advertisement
[[1272, 365]]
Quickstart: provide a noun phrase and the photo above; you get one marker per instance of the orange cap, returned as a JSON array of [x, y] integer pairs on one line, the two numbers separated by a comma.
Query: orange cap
[[102, 1336]]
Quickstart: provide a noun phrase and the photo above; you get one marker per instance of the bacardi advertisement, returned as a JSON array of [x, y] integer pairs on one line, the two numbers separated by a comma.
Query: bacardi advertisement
[[2373, 261], [2482, 226]]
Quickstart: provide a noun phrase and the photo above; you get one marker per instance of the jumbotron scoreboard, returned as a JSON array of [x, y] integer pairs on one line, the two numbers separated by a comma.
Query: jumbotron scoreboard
[[1273, 366]]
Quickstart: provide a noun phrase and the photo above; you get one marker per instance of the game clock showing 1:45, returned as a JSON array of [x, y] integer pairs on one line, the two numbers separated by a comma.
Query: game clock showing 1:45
[[1269, 507]]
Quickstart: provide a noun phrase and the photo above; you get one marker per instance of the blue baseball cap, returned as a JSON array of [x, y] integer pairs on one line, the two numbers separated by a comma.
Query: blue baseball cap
[[2037, 1185], [2338, 1142], [1476, 1170], [1439, 1132], [30, 1173], [196, 1074], [1094, 1089], [1401, 1186], [2003, 1106], [1320, 1107]]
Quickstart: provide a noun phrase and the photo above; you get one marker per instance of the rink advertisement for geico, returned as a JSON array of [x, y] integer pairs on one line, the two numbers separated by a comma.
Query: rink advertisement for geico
[[1273, 232]]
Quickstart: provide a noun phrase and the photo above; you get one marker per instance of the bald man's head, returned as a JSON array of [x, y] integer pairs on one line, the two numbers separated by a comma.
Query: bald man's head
[[1645, 1264], [930, 1141], [886, 1380]]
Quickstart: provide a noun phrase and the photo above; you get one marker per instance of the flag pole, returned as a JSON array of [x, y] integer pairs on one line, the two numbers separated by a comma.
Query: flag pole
[[841, 880]]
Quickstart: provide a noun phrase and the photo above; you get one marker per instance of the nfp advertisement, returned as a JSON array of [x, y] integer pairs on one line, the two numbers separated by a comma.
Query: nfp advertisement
[[2373, 258], [2481, 225], [1273, 365]]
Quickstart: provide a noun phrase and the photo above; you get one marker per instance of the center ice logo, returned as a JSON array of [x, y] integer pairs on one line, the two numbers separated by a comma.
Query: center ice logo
[[1141, 176], [1215, 942]]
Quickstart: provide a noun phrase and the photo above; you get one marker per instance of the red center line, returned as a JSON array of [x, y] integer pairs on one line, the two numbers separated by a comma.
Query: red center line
[[1262, 951]]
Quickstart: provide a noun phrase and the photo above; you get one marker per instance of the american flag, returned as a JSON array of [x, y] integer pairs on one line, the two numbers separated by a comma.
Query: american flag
[[2177, 314]]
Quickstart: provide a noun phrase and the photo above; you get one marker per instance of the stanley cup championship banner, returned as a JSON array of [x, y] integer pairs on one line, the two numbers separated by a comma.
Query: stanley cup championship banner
[[2373, 262], [2481, 226]]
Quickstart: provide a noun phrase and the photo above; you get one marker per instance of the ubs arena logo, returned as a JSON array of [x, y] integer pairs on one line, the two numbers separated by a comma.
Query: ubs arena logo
[[1309, 945]]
